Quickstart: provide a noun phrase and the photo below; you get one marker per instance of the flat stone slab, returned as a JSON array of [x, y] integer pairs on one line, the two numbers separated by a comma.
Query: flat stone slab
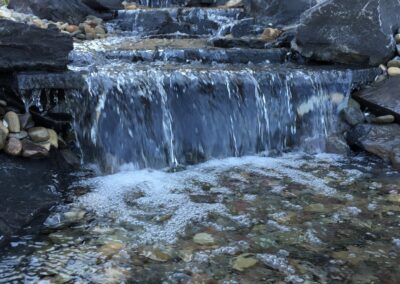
[[383, 98], [380, 140]]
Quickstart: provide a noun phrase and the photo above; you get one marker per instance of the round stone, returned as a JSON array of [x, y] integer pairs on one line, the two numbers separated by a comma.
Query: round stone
[[39, 134], [13, 123], [394, 71], [13, 147]]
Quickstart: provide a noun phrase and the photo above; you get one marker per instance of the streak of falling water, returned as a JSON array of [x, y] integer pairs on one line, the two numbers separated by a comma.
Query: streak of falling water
[[167, 119]]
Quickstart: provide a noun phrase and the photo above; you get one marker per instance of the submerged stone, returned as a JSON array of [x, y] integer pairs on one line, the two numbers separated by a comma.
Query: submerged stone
[[204, 239]]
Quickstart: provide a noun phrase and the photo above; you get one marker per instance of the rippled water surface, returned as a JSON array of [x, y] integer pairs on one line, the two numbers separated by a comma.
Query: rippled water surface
[[289, 219]]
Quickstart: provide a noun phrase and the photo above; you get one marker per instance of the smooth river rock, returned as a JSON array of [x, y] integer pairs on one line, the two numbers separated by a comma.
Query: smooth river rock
[[13, 147], [39, 134], [12, 120], [351, 32]]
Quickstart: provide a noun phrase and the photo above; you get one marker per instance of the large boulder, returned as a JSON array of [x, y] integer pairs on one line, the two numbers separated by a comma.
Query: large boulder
[[70, 11], [351, 32], [380, 140], [382, 98], [31, 48], [279, 12], [104, 5]]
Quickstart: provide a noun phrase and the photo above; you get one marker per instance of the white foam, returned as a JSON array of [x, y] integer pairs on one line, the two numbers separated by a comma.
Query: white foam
[[163, 194]]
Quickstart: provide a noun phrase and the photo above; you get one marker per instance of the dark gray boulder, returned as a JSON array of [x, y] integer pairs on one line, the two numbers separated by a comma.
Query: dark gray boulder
[[382, 98], [28, 188], [70, 11], [278, 12], [104, 5], [26, 47], [351, 32], [380, 140]]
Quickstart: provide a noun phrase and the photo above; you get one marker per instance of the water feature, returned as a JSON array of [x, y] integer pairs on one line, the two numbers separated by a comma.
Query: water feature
[[211, 168]]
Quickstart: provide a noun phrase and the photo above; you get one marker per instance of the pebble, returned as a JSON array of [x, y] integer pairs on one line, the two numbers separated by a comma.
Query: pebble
[[385, 119], [397, 38], [394, 62], [13, 147], [53, 138], [20, 135], [13, 123], [270, 34], [72, 28], [3, 103], [394, 71], [203, 239], [39, 134]]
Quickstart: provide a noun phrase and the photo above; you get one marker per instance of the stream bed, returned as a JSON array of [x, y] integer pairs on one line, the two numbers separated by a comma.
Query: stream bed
[[294, 218]]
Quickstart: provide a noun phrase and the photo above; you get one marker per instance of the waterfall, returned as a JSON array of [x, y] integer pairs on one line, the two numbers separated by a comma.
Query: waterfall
[[158, 116]]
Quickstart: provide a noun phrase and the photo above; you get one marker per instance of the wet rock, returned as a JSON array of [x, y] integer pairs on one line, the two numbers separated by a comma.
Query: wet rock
[[337, 145], [394, 71], [278, 12], [53, 138], [25, 120], [64, 219], [238, 43], [244, 261], [28, 47], [31, 150], [381, 99], [270, 34], [70, 158], [71, 11], [324, 30], [3, 135], [204, 239], [380, 140], [352, 113], [104, 5], [39, 134], [394, 63], [12, 121], [234, 4], [72, 29], [20, 135], [157, 254], [385, 119], [111, 248], [13, 147], [395, 157]]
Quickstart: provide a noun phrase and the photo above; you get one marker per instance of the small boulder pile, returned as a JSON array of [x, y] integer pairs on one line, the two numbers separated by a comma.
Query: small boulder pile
[[19, 136], [392, 68], [91, 28]]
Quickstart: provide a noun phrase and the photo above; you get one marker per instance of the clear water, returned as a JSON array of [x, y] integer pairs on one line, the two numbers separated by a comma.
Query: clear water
[[298, 218]]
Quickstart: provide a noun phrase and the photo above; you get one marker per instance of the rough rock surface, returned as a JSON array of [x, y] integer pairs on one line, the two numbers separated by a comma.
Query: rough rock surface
[[26, 190], [350, 32], [279, 12], [383, 98], [31, 48], [104, 5], [380, 140], [70, 11]]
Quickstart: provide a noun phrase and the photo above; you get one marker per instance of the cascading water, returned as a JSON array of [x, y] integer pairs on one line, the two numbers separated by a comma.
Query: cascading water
[[146, 109], [159, 116]]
